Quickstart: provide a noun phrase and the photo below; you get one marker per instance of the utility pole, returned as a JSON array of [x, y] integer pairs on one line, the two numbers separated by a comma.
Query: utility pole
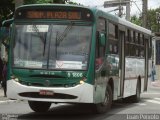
[[119, 3], [144, 13], [128, 10]]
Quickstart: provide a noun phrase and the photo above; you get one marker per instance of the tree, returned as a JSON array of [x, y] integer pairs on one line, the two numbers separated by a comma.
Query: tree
[[49, 1], [44, 1], [151, 20], [6, 10], [136, 20]]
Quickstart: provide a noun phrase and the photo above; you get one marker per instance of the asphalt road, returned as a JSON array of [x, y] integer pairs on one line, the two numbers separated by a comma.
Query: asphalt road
[[147, 109], [149, 105]]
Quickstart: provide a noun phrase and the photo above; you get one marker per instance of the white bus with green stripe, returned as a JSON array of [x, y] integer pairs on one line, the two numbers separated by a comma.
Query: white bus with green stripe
[[75, 54]]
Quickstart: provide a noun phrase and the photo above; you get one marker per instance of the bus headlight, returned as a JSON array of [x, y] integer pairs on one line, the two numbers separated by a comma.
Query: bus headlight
[[82, 81], [14, 78]]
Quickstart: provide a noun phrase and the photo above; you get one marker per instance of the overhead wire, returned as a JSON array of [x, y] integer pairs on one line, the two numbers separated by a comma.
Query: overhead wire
[[137, 6]]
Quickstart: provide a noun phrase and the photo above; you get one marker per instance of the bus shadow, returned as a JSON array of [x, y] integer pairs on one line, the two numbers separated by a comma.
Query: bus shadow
[[76, 112]]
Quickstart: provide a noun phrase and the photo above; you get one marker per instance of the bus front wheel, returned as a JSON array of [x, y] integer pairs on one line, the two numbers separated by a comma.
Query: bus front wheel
[[106, 105], [38, 106]]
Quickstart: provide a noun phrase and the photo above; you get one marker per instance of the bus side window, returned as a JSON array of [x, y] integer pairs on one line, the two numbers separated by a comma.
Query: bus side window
[[113, 38], [100, 52]]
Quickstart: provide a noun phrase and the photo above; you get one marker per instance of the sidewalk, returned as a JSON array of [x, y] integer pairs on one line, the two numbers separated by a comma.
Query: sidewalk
[[2, 98], [154, 85], [1, 92]]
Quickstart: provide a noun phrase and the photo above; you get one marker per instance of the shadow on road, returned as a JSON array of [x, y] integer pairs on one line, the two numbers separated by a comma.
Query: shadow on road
[[77, 112]]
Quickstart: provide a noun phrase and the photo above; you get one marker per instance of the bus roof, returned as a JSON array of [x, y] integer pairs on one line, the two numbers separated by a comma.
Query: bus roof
[[95, 11], [122, 21], [51, 5], [134, 26]]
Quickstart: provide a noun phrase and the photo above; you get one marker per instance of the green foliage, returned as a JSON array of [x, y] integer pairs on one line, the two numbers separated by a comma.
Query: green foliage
[[49, 1], [36, 1], [6, 10], [151, 20], [73, 3], [7, 7], [136, 20], [44, 1]]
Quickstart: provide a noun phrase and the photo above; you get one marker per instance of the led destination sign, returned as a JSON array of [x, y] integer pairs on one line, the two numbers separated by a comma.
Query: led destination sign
[[60, 14], [73, 15]]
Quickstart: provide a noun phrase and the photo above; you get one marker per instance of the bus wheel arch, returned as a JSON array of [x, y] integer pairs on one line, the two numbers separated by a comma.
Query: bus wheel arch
[[106, 105], [136, 98], [139, 79], [138, 90]]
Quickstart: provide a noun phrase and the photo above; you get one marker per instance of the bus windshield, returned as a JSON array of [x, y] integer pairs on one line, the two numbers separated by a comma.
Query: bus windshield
[[51, 46]]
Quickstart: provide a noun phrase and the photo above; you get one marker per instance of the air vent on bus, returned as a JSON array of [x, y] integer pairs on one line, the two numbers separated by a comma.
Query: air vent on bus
[[55, 96], [51, 85], [48, 76]]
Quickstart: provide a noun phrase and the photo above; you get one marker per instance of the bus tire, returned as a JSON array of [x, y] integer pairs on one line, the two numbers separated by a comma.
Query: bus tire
[[106, 105], [38, 106], [136, 97]]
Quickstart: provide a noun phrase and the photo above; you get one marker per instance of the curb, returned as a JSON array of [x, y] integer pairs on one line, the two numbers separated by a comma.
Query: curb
[[1, 94], [155, 84], [8, 101]]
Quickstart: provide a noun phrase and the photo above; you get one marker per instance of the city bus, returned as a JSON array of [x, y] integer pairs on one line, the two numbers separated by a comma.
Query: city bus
[[77, 55]]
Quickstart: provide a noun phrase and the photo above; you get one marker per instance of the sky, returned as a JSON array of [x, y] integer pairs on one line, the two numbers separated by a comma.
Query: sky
[[136, 6]]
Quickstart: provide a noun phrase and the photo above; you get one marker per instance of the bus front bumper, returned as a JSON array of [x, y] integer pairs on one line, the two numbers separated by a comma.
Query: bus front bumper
[[82, 93]]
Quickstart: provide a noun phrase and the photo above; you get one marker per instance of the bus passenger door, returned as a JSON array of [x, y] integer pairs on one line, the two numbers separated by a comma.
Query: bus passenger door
[[100, 73], [121, 62]]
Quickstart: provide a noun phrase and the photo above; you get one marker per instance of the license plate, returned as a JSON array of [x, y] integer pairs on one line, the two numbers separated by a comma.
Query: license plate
[[46, 92]]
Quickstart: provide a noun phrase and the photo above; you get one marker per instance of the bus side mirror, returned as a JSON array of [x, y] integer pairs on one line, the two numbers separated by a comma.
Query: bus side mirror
[[6, 30], [102, 39], [5, 36]]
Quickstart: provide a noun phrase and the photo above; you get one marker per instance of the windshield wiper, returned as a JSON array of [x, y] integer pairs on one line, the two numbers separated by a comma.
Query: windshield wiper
[[64, 34], [41, 37]]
